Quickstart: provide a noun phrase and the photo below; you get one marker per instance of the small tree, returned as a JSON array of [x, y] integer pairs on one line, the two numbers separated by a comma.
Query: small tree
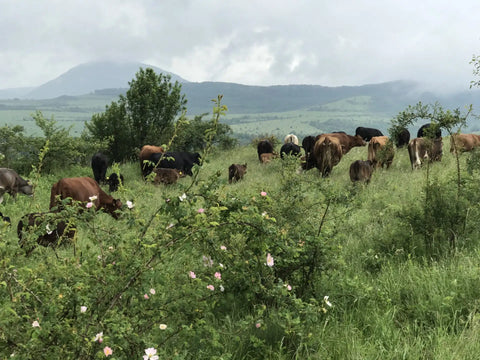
[[145, 115]]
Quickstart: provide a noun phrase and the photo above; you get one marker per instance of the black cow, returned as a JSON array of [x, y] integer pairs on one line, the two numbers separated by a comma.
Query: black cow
[[50, 230], [422, 132], [264, 147], [99, 167], [361, 170], [5, 219], [308, 143], [180, 160], [367, 133], [114, 181], [289, 149], [402, 137]]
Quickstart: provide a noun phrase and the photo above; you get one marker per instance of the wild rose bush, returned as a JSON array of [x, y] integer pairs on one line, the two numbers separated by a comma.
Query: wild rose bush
[[207, 263]]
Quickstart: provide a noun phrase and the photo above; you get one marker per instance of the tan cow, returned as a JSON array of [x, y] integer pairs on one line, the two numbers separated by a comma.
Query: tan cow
[[166, 176], [464, 142], [328, 152], [265, 158], [145, 153], [422, 149], [380, 151]]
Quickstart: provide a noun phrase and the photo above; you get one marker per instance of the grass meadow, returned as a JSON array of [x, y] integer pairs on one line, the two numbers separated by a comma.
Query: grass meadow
[[390, 299]]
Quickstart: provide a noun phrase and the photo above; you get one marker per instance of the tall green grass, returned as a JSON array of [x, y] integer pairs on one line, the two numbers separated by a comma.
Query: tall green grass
[[389, 299]]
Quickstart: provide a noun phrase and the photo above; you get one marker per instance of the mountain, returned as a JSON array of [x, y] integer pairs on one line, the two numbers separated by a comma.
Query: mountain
[[88, 77]]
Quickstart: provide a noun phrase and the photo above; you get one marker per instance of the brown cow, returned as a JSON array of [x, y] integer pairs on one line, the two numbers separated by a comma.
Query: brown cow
[[327, 152], [166, 176], [236, 172], [361, 170], [464, 142], [346, 141], [84, 189], [421, 149], [53, 230], [145, 153], [265, 158], [380, 151]]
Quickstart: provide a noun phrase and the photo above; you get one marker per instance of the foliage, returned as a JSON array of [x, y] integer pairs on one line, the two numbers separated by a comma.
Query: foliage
[[144, 115], [188, 138]]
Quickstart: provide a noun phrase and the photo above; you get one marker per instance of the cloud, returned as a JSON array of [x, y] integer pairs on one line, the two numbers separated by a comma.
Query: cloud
[[344, 42]]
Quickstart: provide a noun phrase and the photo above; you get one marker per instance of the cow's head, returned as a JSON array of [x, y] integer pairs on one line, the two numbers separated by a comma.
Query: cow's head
[[358, 141], [113, 207]]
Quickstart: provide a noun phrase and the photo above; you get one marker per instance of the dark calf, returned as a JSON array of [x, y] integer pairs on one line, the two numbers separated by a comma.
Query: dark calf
[[361, 171], [114, 181], [236, 172], [51, 231]]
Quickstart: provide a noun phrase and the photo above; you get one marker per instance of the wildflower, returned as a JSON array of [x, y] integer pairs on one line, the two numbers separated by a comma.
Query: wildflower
[[183, 197], [170, 226], [93, 198], [269, 260], [288, 287], [325, 300], [223, 247], [151, 353], [257, 325], [192, 274], [221, 265], [145, 296], [152, 291], [47, 227], [83, 309], [35, 324], [210, 287], [130, 204], [89, 205], [207, 261], [222, 289], [163, 326], [263, 193], [218, 276], [107, 351], [99, 337], [201, 210]]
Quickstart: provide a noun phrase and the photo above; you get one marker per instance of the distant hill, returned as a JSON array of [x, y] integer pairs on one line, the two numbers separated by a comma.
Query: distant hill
[[88, 77]]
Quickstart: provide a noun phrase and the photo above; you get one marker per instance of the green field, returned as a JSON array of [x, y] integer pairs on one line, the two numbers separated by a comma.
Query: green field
[[382, 253]]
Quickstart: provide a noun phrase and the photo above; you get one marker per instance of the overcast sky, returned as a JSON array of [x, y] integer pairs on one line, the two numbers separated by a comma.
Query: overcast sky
[[266, 42]]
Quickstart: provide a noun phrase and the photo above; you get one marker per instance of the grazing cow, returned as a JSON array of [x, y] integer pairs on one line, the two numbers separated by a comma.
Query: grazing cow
[[367, 133], [5, 219], [327, 152], [114, 181], [53, 231], [421, 149], [402, 137], [166, 176], [464, 142], [346, 141], [380, 151], [424, 129], [12, 183], [99, 167], [361, 170], [84, 189], [265, 158], [145, 153], [290, 138], [180, 160], [264, 146], [289, 149], [308, 143], [236, 172]]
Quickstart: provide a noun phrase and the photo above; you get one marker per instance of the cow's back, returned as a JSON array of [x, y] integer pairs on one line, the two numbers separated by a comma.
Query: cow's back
[[80, 189]]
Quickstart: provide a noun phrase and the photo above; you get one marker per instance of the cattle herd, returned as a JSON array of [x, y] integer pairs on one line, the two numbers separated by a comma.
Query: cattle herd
[[323, 152]]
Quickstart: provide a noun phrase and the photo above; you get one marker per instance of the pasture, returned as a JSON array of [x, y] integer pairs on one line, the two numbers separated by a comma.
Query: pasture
[[358, 271]]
